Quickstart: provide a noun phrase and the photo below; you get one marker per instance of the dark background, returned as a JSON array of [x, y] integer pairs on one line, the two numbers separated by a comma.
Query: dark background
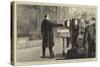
[[29, 17]]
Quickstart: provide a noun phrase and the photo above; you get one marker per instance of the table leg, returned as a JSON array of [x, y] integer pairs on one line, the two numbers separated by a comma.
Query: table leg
[[63, 46]]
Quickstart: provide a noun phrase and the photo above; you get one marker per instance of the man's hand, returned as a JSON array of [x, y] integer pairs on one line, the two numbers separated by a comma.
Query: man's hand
[[63, 24]]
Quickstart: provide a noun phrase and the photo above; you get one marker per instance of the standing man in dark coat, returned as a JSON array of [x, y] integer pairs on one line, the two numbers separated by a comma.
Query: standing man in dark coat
[[74, 31], [47, 34], [90, 38]]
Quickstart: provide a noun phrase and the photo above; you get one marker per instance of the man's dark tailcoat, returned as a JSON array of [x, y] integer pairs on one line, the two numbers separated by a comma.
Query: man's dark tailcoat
[[90, 39], [74, 32]]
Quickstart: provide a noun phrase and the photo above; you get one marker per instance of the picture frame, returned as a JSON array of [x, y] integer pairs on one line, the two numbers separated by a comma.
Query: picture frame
[[26, 38]]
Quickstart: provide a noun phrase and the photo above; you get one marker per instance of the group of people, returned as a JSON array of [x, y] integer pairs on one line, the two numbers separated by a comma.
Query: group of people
[[82, 37]]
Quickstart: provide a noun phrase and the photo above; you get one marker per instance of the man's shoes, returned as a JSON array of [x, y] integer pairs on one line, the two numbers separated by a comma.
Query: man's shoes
[[52, 56], [43, 57]]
